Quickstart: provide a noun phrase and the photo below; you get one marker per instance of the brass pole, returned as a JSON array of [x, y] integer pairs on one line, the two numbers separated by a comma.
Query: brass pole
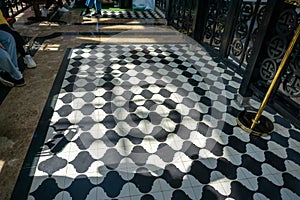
[[274, 81]]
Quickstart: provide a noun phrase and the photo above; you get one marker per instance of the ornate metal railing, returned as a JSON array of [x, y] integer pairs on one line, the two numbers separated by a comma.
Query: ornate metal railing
[[161, 5], [246, 29], [181, 14], [286, 96], [12, 8], [251, 35], [214, 28]]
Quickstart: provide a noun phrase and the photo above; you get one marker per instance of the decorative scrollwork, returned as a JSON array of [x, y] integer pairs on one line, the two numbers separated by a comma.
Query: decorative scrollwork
[[242, 30], [294, 61], [254, 34], [260, 14], [277, 47], [247, 11], [291, 80], [268, 69], [216, 21], [208, 32], [218, 34], [248, 54], [291, 85], [237, 48], [287, 22]]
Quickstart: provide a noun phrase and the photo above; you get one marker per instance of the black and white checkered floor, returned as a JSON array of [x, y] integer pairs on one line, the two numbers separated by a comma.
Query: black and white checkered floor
[[158, 121], [146, 14]]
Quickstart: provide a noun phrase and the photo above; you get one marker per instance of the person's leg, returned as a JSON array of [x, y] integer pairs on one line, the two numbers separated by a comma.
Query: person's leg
[[7, 65], [18, 38], [20, 42], [98, 5], [61, 6], [9, 44], [8, 57], [89, 4]]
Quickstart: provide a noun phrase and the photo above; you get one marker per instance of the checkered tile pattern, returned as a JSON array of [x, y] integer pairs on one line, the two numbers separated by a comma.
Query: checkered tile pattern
[[158, 121], [146, 14]]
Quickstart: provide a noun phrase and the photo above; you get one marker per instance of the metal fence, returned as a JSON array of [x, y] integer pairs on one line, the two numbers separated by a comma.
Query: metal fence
[[252, 35], [12, 8]]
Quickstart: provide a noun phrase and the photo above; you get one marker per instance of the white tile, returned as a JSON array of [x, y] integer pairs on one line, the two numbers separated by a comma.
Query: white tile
[[219, 187], [93, 194], [125, 191], [216, 177], [226, 186], [189, 192], [167, 194], [243, 173], [101, 194], [62, 195], [259, 196], [198, 191]]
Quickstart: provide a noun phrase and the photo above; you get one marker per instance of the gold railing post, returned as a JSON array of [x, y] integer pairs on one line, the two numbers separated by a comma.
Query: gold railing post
[[249, 120]]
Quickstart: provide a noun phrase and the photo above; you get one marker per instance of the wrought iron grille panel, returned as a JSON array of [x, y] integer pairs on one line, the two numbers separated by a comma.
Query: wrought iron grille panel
[[182, 15], [161, 5], [13, 7], [218, 10], [289, 86], [246, 30]]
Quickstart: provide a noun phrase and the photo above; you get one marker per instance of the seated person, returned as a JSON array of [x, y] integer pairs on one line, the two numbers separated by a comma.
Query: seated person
[[44, 11], [4, 26], [10, 74]]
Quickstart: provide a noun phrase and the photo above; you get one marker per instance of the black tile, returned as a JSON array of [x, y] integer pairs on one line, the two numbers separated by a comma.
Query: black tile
[[268, 189], [239, 191], [47, 190], [173, 176], [143, 180], [82, 162], [251, 165], [112, 184], [208, 192]]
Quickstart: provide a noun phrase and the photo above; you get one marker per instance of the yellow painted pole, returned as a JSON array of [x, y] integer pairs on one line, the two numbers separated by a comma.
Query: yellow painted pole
[[274, 81]]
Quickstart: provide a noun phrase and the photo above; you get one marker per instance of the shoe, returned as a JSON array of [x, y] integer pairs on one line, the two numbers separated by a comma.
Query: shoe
[[7, 80], [86, 12], [97, 13], [63, 9], [44, 12], [20, 83], [72, 4], [29, 62]]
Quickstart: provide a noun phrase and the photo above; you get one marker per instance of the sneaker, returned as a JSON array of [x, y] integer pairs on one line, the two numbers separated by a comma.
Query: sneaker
[[86, 12], [28, 60], [63, 9], [20, 83], [7, 80], [44, 12], [72, 4], [97, 13]]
